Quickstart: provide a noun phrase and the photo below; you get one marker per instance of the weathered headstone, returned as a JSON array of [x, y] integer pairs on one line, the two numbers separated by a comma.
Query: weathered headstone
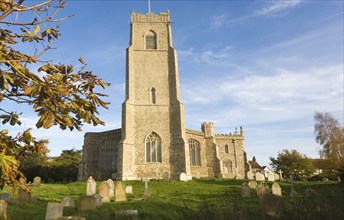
[[146, 192], [37, 181], [280, 174], [99, 201], [198, 175], [5, 196], [276, 189], [271, 177], [245, 190], [54, 210], [112, 188], [250, 175], [260, 177], [129, 189], [68, 202], [3, 209], [183, 177], [23, 196], [22, 180], [126, 213], [91, 186], [166, 176], [104, 191], [120, 192], [270, 205], [87, 203], [252, 184], [262, 189], [277, 177]]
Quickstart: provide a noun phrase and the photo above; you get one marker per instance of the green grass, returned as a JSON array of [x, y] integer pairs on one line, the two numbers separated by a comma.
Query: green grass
[[197, 199]]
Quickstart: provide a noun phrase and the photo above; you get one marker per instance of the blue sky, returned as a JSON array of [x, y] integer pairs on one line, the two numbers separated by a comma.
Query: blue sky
[[264, 65]]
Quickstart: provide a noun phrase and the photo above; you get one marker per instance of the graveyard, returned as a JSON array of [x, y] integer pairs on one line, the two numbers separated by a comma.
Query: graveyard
[[196, 199]]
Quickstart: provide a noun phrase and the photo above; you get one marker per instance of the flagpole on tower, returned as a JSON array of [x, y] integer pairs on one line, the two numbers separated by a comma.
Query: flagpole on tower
[[149, 6]]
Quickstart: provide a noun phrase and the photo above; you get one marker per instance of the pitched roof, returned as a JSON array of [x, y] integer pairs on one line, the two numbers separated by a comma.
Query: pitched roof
[[254, 164]]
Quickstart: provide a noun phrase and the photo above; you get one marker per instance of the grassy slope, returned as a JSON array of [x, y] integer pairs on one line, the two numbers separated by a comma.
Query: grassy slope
[[198, 199]]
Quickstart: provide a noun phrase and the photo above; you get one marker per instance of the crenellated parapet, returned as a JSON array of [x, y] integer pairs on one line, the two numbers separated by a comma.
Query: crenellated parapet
[[163, 17], [235, 135]]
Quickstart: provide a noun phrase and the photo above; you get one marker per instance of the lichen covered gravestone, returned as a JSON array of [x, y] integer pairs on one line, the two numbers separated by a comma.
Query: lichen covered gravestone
[[128, 189], [91, 186], [263, 189], [37, 181], [252, 184], [104, 191], [54, 211], [120, 192], [245, 190], [271, 177], [87, 203], [276, 189], [260, 177]]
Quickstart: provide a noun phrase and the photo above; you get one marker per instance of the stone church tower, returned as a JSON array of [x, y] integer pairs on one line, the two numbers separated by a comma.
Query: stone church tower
[[153, 142], [153, 133]]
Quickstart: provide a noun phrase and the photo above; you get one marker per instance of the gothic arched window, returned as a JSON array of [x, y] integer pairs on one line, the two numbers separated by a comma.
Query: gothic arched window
[[226, 149], [153, 95], [195, 153], [227, 167], [151, 42], [153, 148]]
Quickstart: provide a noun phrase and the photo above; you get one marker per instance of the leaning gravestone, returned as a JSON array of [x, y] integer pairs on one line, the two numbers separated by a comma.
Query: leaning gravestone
[[252, 184], [24, 196], [37, 181], [129, 189], [166, 176], [112, 188], [271, 177], [183, 177], [91, 186], [54, 211], [87, 203], [262, 189], [68, 202], [250, 175], [104, 191], [3, 209], [260, 177], [5, 196], [120, 192], [245, 190], [276, 189], [270, 205]]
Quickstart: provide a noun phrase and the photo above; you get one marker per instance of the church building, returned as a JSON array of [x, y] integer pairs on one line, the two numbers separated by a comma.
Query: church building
[[153, 141]]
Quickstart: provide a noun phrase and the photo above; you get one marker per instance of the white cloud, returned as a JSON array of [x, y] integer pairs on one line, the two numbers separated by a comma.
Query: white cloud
[[219, 21], [277, 6]]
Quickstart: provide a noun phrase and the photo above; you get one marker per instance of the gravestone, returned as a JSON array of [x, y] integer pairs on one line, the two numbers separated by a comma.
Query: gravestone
[[3, 209], [250, 175], [87, 203], [276, 176], [54, 211], [91, 186], [271, 177], [104, 191], [126, 213], [146, 192], [112, 188], [166, 176], [262, 189], [276, 189], [270, 205], [198, 175], [99, 201], [245, 190], [24, 196], [68, 202], [120, 192], [22, 180], [183, 177], [260, 177], [280, 174], [5, 196], [37, 181], [129, 189], [252, 184]]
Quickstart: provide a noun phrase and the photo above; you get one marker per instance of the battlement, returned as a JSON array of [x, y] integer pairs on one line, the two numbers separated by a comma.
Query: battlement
[[236, 133], [162, 17]]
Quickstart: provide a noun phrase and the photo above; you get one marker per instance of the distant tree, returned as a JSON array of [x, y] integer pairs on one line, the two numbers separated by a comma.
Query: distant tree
[[293, 163], [58, 94], [330, 134], [66, 165]]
